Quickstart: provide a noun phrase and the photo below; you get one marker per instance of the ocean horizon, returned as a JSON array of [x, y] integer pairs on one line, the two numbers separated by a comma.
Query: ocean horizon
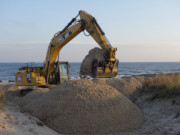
[[8, 69]]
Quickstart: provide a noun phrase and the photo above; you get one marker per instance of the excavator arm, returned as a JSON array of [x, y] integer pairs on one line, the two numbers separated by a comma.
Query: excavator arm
[[93, 28], [57, 43], [60, 39]]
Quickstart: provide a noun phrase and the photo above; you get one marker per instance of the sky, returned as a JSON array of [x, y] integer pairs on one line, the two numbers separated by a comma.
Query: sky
[[142, 30]]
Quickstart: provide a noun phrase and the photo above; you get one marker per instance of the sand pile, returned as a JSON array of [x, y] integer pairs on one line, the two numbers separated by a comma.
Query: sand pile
[[20, 95], [126, 85], [6, 86], [86, 65], [32, 95], [86, 107], [4, 92]]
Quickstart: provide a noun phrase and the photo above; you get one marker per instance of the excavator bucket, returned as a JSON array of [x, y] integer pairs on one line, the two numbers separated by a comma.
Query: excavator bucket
[[97, 64], [103, 70]]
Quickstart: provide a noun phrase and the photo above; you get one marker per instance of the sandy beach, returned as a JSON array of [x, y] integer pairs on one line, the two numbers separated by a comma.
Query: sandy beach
[[161, 115], [13, 121]]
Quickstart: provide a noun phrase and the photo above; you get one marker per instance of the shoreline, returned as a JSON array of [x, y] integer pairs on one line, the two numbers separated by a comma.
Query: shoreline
[[118, 76]]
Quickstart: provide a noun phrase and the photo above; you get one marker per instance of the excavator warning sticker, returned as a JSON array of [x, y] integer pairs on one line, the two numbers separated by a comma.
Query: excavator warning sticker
[[60, 39], [19, 79], [64, 36]]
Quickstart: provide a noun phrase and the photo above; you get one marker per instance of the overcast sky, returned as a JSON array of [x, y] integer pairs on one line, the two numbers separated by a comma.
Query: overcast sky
[[142, 30]]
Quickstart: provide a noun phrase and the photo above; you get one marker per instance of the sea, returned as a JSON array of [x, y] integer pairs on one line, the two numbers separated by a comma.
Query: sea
[[8, 70]]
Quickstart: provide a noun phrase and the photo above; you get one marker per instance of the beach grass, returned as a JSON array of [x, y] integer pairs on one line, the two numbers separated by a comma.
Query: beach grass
[[165, 85]]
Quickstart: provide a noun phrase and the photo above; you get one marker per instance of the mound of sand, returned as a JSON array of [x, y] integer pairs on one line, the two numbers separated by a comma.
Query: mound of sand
[[4, 89], [86, 65], [126, 85], [86, 107], [33, 95]]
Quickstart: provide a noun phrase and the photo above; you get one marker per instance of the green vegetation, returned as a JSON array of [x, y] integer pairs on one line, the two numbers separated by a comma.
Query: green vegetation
[[163, 85]]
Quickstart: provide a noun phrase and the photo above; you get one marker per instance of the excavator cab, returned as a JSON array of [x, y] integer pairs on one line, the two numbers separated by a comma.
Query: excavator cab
[[60, 73], [64, 71]]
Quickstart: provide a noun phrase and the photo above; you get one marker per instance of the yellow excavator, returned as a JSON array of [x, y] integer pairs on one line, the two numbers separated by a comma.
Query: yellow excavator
[[55, 72]]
